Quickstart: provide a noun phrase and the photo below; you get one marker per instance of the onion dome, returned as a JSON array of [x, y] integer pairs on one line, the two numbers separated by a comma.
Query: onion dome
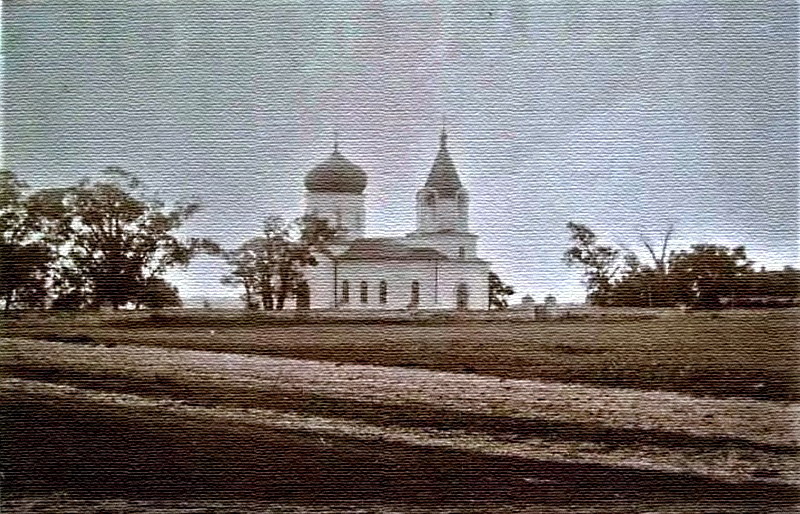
[[336, 175], [443, 176]]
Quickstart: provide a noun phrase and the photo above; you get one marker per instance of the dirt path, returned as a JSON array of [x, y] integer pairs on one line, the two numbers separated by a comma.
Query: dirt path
[[774, 423], [127, 453], [396, 390]]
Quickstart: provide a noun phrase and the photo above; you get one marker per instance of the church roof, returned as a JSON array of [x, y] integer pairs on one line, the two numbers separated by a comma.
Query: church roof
[[386, 249], [443, 176], [336, 175]]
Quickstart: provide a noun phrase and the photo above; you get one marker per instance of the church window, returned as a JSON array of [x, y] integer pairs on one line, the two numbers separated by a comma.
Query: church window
[[462, 204], [382, 292], [364, 292], [430, 200], [415, 293], [345, 291], [462, 253]]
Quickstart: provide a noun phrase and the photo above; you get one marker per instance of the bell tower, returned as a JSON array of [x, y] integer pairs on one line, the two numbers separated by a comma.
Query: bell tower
[[442, 203], [443, 210]]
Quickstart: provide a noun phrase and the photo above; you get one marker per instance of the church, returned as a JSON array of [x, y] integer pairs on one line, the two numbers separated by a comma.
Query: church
[[434, 267]]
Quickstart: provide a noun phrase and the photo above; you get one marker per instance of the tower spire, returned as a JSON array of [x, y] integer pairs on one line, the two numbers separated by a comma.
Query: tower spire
[[443, 135], [335, 141]]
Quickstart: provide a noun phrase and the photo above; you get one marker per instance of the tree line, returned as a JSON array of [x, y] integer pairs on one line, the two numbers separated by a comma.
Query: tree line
[[104, 243], [704, 276], [91, 244]]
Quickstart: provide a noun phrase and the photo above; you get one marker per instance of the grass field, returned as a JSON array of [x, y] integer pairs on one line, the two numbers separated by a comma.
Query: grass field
[[223, 412], [747, 353]]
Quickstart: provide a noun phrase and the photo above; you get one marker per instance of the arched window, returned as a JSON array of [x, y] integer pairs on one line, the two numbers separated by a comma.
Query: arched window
[[382, 292], [345, 291], [462, 203], [430, 200], [414, 293], [364, 292], [462, 253]]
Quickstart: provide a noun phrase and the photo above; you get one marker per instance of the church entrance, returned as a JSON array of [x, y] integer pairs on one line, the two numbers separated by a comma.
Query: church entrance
[[303, 296], [462, 297]]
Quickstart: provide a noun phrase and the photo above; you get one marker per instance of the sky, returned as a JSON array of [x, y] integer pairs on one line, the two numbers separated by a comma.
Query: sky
[[628, 116]]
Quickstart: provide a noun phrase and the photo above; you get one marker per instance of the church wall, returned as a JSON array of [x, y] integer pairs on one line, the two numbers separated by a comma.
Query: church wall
[[476, 277], [399, 275], [320, 283], [341, 209]]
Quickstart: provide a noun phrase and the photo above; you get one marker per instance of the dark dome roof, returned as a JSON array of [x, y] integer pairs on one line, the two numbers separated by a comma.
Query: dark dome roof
[[336, 175]]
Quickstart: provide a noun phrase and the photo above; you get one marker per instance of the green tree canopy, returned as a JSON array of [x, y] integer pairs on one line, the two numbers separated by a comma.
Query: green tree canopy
[[498, 292], [600, 263], [111, 240], [270, 267], [707, 273], [25, 258]]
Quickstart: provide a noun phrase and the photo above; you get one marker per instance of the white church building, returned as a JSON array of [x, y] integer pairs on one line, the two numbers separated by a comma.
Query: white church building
[[434, 267]]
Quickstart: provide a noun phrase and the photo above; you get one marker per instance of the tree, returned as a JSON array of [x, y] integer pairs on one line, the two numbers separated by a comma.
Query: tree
[[159, 294], [270, 267], [708, 273], [25, 261], [498, 292], [249, 265], [600, 263], [309, 235], [112, 242], [656, 280]]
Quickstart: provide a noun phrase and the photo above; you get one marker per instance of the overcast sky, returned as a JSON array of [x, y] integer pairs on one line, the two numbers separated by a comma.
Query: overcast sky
[[628, 116]]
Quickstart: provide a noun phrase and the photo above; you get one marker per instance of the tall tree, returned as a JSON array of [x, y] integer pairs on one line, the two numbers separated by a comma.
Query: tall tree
[[309, 236], [25, 259], [498, 292], [708, 273], [112, 241], [270, 266], [656, 279], [600, 263]]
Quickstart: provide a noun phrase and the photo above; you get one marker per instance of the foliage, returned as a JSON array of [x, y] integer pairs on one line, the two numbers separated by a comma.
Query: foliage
[[498, 292], [707, 273], [157, 293], [706, 276], [25, 261], [110, 242], [270, 267], [600, 263]]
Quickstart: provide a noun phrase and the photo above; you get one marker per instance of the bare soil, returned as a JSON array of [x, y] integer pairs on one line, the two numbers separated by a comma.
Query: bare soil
[[91, 451]]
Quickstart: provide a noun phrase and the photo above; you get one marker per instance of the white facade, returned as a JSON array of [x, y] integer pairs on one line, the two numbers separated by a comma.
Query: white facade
[[434, 267], [401, 284]]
